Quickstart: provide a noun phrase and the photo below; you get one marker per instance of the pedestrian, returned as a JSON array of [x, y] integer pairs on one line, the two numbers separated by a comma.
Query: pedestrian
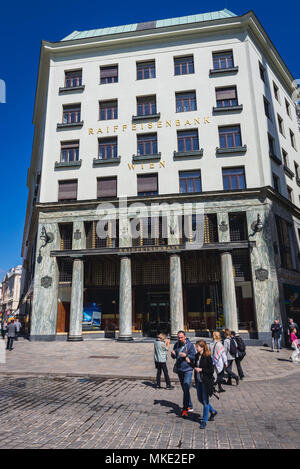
[[276, 330], [241, 353], [161, 347], [295, 346], [3, 329], [204, 379], [11, 335], [292, 325], [184, 348], [231, 349], [18, 328], [219, 358]]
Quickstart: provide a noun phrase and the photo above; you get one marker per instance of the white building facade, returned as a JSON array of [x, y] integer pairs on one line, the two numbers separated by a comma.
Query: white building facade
[[10, 291], [195, 110]]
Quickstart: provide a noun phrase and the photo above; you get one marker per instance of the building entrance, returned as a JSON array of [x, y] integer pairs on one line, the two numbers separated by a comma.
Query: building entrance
[[153, 308]]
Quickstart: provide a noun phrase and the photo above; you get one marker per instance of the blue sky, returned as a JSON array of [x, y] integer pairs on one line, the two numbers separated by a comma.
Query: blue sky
[[22, 27]]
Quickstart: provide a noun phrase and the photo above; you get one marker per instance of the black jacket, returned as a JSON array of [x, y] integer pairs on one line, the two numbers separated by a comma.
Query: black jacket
[[276, 330], [207, 374]]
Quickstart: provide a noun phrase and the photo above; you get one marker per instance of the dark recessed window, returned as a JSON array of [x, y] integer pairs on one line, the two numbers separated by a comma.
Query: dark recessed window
[[234, 178], [109, 74], [69, 151], [290, 193], [271, 144], [276, 91], [73, 78], [107, 187], [67, 190], [284, 230], [238, 227], [184, 65], [296, 169], [66, 235], [230, 137], [288, 108], [146, 105], [147, 184], [226, 97], [108, 148], [145, 70], [147, 144], [276, 182], [71, 113], [293, 142], [186, 102], [108, 110], [267, 108], [223, 60], [190, 181], [262, 72], [188, 140], [285, 158], [280, 124]]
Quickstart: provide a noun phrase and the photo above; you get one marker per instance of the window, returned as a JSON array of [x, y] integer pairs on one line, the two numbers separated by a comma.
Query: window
[[108, 148], [290, 193], [223, 60], [230, 137], [69, 151], [66, 235], [190, 181], [276, 91], [267, 108], [147, 144], [186, 102], [188, 140], [296, 169], [71, 113], [109, 74], [184, 65], [276, 182], [73, 78], [288, 108], [234, 178], [147, 184], [271, 145], [293, 142], [146, 105], [262, 72], [151, 232], [226, 97], [238, 227], [67, 190], [145, 70], [108, 110], [107, 187], [280, 124], [285, 158], [284, 233]]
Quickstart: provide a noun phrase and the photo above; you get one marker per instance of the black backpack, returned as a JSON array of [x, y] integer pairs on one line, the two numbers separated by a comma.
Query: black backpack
[[233, 349], [241, 344]]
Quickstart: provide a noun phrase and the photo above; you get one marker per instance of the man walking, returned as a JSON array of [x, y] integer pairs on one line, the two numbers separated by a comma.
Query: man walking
[[231, 349], [181, 350], [11, 335], [276, 333], [18, 328], [241, 353]]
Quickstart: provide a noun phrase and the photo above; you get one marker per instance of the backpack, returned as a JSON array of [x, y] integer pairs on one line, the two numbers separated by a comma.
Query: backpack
[[241, 344], [233, 349]]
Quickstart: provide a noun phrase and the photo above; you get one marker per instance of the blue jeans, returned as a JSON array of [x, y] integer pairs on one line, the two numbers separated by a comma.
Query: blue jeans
[[204, 400], [185, 379]]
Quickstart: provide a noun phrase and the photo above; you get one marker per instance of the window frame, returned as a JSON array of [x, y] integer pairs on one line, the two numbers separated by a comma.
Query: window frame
[[106, 109], [233, 134], [234, 175], [150, 62], [107, 143], [197, 173], [181, 65], [223, 53], [183, 135]]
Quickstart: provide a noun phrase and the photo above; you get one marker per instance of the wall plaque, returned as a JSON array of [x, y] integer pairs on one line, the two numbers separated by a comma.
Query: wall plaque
[[46, 281], [262, 274]]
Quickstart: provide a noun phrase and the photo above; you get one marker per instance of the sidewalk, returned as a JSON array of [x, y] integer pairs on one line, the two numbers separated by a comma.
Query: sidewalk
[[107, 358]]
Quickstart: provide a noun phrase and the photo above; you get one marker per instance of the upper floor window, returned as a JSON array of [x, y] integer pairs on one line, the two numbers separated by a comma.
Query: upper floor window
[[223, 60], [71, 113], [146, 105], [276, 92], [147, 144], [107, 187], [280, 124], [108, 147], [290, 193], [69, 151], [234, 178], [186, 102], [145, 70], [66, 235], [73, 78], [108, 110], [276, 182], [288, 108], [285, 158], [262, 72], [230, 137], [67, 190], [293, 141], [296, 169], [267, 108], [147, 184], [184, 65], [226, 97], [271, 144], [109, 74], [190, 181], [188, 140]]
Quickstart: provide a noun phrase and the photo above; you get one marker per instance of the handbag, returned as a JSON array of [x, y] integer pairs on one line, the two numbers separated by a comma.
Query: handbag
[[175, 369]]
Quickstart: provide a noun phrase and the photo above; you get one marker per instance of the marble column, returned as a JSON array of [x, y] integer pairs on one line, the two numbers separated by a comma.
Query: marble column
[[228, 292], [125, 303], [176, 302], [75, 330]]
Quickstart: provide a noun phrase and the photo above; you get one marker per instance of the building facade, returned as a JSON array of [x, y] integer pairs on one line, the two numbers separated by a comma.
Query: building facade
[[192, 113], [10, 291]]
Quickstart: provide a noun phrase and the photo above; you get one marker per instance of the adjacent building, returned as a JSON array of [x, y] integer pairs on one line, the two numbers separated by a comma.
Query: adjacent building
[[10, 291], [193, 112]]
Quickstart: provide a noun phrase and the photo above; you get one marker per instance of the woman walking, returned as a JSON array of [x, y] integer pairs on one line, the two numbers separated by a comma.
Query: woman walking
[[161, 346], [295, 346], [219, 358], [204, 379]]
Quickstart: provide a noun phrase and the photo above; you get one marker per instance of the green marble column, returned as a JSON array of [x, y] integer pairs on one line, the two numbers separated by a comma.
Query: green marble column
[[228, 292], [176, 302], [125, 308], [76, 313]]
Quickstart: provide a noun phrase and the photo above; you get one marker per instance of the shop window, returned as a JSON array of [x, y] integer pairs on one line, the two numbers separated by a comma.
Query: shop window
[[66, 235], [238, 227]]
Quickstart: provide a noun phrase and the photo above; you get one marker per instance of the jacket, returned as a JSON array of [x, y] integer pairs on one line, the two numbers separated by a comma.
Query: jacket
[[207, 374], [189, 349], [11, 330], [219, 356], [276, 330], [160, 351], [227, 349]]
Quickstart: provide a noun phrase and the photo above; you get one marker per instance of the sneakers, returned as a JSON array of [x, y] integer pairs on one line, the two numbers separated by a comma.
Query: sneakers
[[170, 387], [158, 386], [184, 413], [190, 409], [202, 425], [237, 381], [211, 418], [221, 390]]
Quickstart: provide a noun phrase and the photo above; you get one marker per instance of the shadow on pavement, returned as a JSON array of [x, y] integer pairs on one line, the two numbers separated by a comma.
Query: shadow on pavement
[[149, 383], [175, 409]]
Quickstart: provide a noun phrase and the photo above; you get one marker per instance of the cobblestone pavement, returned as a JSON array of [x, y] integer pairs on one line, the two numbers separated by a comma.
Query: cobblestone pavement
[[62, 412]]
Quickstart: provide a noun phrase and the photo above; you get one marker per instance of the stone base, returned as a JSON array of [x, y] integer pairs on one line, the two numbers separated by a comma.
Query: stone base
[[125, 339], [72, 338], [42, 338]]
